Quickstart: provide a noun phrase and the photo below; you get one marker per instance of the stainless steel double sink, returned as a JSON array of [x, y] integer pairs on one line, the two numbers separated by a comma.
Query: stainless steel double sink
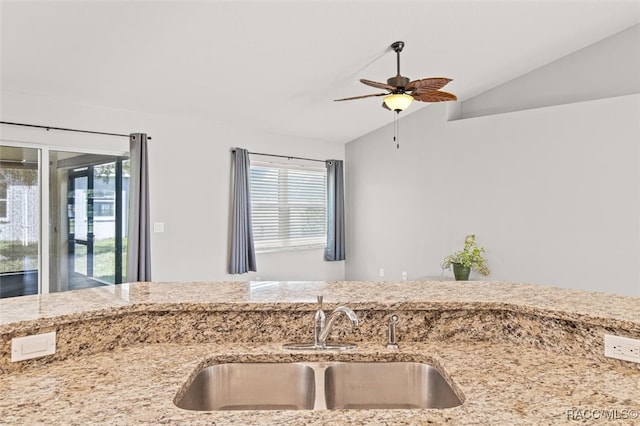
[[318, 386]]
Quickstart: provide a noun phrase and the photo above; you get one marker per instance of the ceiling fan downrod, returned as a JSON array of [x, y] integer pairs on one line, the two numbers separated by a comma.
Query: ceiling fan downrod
[[397, 47], [398, 81]]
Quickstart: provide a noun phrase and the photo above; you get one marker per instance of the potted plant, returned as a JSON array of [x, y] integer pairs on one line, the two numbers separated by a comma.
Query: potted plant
[[470, 257]]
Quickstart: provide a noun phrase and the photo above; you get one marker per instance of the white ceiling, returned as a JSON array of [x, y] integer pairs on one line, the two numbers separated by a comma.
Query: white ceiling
[[277, 66]]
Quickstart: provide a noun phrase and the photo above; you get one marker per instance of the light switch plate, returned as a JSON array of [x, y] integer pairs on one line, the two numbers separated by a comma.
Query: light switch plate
[[623, 348], [33, 346]]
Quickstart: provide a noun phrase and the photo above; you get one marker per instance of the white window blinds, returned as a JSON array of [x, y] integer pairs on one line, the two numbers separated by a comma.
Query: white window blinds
[[288, 206]]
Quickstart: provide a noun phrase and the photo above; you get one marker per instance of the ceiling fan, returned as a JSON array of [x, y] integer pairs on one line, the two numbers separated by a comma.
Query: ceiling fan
[[401, 91]]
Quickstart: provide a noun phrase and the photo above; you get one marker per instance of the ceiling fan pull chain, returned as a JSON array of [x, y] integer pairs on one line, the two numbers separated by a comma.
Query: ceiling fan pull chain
[[396, 130], [394, 127]]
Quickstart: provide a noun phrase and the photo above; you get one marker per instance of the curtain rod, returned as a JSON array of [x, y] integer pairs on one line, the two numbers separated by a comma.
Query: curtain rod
[[288, 157], [65, 129]]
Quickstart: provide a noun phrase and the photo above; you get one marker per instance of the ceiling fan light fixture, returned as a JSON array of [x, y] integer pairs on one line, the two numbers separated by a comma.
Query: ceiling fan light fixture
[[398, 101]]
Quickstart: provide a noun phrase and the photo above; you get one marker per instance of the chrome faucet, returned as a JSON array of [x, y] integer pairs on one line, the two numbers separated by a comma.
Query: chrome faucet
[[324, 333], [322, 326], [318, 323]]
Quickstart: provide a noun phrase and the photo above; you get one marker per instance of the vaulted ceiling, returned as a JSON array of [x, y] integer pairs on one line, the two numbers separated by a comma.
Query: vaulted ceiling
[[277, 66]]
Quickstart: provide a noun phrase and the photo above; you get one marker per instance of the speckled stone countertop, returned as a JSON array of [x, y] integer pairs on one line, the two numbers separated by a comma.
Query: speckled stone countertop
[[501, 385], [565, 303], [515, 353]]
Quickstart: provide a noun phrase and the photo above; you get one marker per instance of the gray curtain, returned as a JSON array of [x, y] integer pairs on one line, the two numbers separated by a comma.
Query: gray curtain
[[138, 243], [242, 254], [335, 249]]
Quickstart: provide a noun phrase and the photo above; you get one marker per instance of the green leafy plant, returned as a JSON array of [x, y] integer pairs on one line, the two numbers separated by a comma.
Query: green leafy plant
[[470, 256]]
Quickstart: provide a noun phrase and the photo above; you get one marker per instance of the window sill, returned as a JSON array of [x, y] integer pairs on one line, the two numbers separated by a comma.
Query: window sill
[[292, 248]]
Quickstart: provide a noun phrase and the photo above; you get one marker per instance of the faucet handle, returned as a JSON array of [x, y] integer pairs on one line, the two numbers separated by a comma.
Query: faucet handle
[[392, 342], [320, 297]]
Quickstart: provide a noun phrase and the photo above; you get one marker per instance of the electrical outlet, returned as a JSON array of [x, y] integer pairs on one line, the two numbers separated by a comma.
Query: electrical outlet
[[33, 346], [404, 275], [622, 348], [381, 272]]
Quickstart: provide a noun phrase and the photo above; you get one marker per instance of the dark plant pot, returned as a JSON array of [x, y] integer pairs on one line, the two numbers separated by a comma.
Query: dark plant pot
[[461, 272]]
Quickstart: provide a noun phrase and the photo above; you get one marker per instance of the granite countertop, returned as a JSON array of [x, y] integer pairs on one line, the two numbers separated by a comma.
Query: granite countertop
[[301, 295], [521, 374], [501, 384]]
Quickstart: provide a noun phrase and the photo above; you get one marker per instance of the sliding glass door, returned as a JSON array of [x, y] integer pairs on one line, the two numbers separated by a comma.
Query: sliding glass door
[[78, 240]]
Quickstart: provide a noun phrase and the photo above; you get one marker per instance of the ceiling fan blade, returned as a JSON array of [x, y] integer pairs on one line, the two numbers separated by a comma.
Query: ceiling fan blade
[[376, 84], [427, 84], [359, 97], [435, 96]]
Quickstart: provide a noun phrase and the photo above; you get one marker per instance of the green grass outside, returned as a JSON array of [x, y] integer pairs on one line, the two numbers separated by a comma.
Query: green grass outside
[[104, 260], [16, 257]]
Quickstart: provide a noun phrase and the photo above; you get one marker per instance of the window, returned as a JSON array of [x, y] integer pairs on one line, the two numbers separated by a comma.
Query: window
[[104, 203], [288, 206]]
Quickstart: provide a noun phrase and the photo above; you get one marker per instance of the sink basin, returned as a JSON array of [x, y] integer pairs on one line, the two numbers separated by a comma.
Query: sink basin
[[256, 386], [318, 386], [387, 385]]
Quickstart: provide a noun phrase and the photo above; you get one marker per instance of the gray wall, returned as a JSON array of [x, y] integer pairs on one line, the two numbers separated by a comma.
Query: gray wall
[[552, 193], [189, 180], [610, 67]]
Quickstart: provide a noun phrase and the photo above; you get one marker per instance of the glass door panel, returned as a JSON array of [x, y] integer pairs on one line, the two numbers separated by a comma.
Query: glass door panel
[[104, 222], [88, 192], [19, 221]]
